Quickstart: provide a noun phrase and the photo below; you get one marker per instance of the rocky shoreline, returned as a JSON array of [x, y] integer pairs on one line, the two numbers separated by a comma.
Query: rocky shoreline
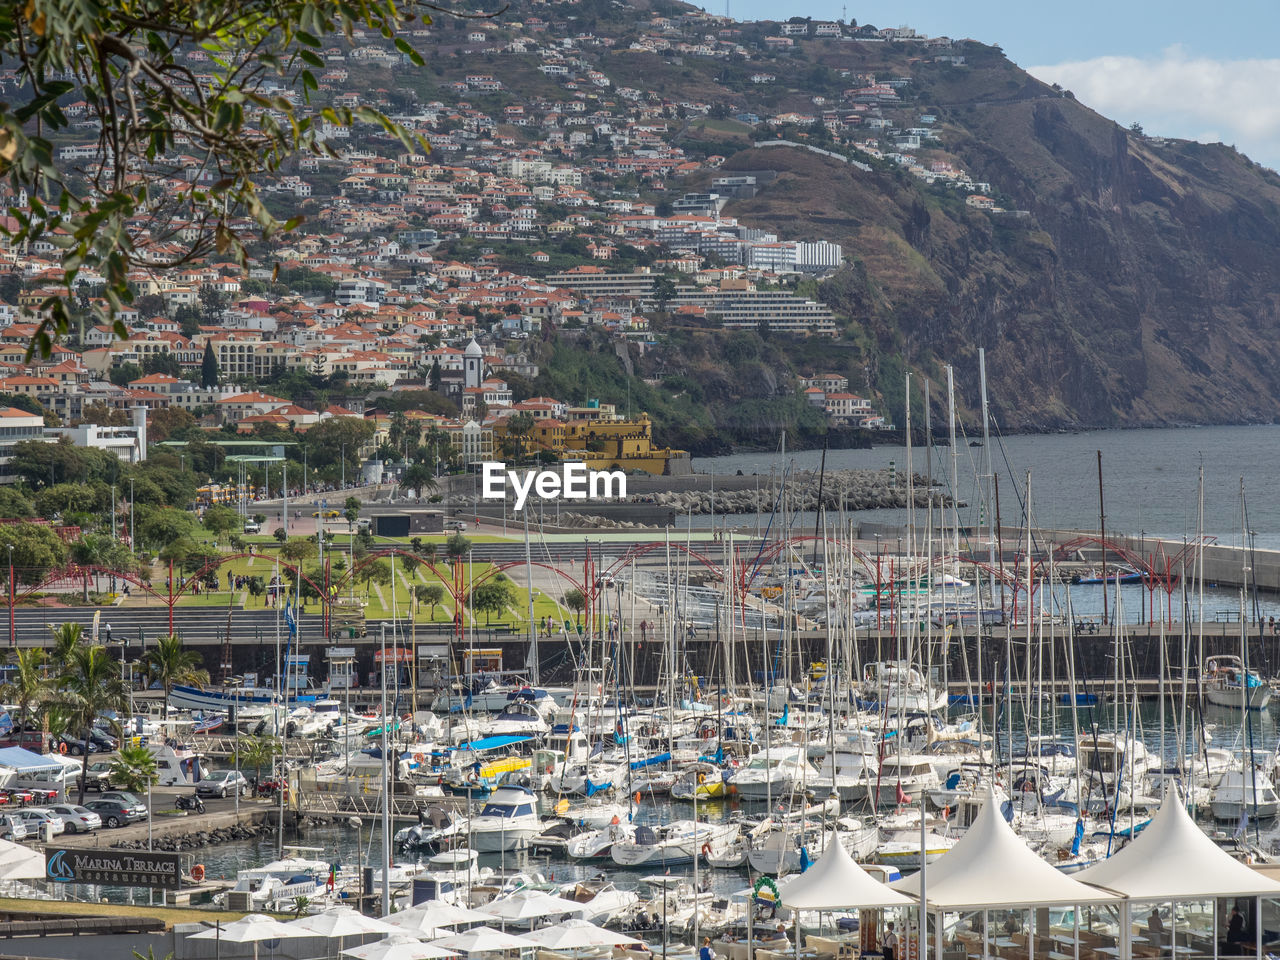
[[176, 843]]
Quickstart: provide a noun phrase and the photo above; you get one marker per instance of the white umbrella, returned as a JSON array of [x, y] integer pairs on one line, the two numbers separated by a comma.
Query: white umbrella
[[528, 904], [20, 863], [250, 928], [574, 933], [398, 946], [483, 940], [432, 915], [340, 922]]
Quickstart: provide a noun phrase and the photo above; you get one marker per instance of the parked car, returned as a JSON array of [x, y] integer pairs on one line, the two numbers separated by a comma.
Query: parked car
[[114, 813], [12, 828], [73, 745], [99, 776], [222, 783], [129, 800], [458, 525], [251, 526], [36, 817], [78, 819]]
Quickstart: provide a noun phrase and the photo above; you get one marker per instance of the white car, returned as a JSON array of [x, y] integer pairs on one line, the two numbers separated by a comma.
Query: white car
[[36, 817], [77, 819]]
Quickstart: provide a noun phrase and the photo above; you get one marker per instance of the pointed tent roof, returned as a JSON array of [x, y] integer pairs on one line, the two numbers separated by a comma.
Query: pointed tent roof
[[1172, 859], [835, 882], [991, 866]]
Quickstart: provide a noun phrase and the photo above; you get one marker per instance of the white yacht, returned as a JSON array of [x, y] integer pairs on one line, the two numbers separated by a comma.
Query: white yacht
[[902, 779], [508, 821], [597, 845], [770, 773], [673, 843], [1244, 790], [1228, 684]]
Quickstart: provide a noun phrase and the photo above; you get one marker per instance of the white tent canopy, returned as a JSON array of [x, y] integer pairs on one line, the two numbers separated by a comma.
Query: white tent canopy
[[483, 940], [1172, 859], [251, 928], [432, 915], [340, 922], [528, 904], [400, 946], [20, 863], [835, 882], [577, 934], [990, 867]]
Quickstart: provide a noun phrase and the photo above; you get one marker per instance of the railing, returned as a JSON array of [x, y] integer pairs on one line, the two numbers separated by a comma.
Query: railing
[[295, 747], [360, 805]]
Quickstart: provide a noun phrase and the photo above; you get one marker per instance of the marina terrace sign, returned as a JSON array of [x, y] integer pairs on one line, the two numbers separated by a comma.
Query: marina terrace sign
[[573, 481]]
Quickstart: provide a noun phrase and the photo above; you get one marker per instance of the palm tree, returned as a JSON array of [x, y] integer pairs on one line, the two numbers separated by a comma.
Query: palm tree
[[170, 663], [66, 637], [90, 686], [256, 752], [134, 768], [27, 687]]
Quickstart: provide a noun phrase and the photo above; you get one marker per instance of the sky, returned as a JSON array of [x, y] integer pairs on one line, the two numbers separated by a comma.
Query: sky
[[1181, 69]]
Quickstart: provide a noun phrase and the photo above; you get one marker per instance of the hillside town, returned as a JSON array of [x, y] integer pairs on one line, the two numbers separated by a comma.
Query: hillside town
[[565, 202]]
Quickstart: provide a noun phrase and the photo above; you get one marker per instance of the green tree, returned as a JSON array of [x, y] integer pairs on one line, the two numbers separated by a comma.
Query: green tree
[[128, 64], [27, 686], [134, 768], [493, 596], [418, 478], [15, 505], [218, 520], [519, 429], [208, 367], [124, 374], [89, 687], [279, 534], [165, 525], [254, 753], [169, 663], [297, 549], [457, 546], [351, 510], [375, 571], [64, 638], [36, 551], [430, 593], [575, 601]]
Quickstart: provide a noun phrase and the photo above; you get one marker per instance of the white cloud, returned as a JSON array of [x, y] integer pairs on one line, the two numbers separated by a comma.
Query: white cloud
[[1176, 95]]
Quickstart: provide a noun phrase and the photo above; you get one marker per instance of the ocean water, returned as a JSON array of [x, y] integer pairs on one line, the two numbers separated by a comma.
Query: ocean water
[[1149, 479]]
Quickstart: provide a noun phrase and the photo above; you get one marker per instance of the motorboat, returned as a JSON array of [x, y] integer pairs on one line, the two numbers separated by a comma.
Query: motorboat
[[597, 845], [1228, 684], [702, 781], [1244, 790], [508, 821], [672, 844], [902, 779], [601, 900], [770, 773]]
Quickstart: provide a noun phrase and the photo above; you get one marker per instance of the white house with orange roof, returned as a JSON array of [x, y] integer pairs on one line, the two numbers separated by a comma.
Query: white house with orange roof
[[240, 405]]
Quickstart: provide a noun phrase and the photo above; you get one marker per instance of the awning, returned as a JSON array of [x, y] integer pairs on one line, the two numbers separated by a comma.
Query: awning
[[24, 761]]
